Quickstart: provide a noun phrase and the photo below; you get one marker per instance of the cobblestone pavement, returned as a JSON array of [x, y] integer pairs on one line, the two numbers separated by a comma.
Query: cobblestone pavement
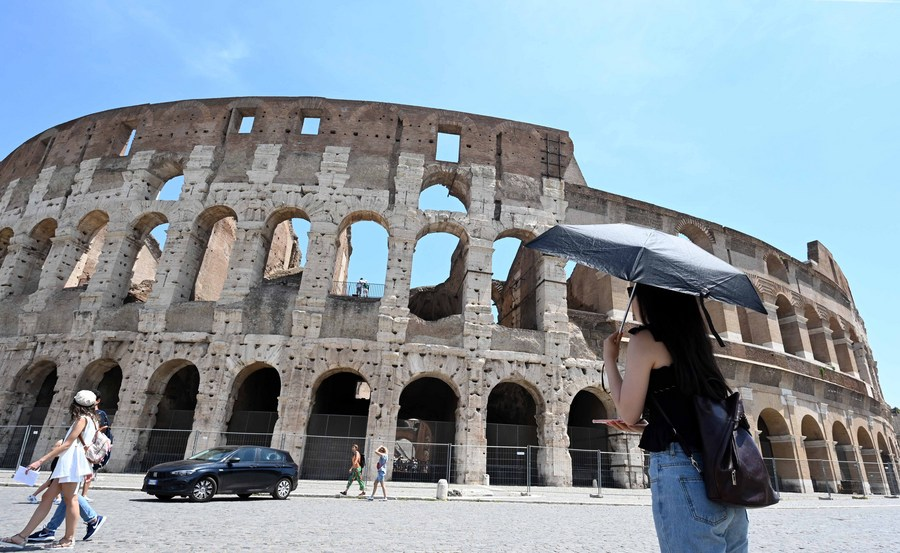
[[138, 523]]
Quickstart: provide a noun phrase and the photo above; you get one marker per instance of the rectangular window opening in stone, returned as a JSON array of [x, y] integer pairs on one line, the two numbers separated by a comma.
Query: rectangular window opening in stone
[[245, 123], [126, 149], [447, 147], [310, 125]]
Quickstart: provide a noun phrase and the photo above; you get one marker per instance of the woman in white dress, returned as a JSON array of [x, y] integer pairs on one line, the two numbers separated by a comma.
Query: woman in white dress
[[71, 468]]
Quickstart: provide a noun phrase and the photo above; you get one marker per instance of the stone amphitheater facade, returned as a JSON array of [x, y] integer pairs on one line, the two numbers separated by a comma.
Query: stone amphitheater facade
[[224, 324]]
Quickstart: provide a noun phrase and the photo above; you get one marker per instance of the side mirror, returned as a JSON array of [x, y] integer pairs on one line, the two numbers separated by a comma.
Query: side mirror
[[234, 460]]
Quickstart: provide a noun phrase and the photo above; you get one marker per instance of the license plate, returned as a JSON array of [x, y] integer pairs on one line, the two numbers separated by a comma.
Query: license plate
[[151, 482]]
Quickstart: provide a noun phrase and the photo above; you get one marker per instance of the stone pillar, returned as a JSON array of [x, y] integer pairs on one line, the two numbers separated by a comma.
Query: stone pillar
[[725, 319], [109, 286], [65, 250], [765, 328], [552, 307], [477, 319], [247, 261], [140, 183], [198, 172], [393, 313], [861, 361], [805, 347], [626, 460], [554, 461], [317, 278], [470, 449]]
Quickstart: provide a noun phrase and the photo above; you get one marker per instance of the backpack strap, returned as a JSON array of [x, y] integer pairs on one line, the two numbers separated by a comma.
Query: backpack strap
[[687, 449]]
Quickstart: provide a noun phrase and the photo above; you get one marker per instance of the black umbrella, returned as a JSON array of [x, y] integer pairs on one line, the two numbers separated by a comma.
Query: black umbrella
[[651, 257]]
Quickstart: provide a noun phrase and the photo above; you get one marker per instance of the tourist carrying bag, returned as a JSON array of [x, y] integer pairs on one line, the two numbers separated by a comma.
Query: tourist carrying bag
[[99, 447], [733, 468]]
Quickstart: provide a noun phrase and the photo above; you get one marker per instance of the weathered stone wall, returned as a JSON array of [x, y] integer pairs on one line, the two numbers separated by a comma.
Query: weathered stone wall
[[209, 307]]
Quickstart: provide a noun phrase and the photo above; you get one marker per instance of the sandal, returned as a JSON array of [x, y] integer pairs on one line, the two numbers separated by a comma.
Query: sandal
[[61, 544], [11, 542]]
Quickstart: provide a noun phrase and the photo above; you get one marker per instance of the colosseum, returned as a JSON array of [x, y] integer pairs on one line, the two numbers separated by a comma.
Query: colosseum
[[202, 321]]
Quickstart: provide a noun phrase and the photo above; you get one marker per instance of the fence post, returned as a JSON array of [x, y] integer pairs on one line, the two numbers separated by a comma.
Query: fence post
[[24, 443], [449, 461], [528, 470], [827, 482], [599, 473]]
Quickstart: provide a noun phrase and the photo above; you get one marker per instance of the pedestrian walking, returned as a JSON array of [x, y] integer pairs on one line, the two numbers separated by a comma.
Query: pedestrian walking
[[70, 470], [381, 467], [669, 361], [33, 498], [92, 520], [356, 465], [103, 422]]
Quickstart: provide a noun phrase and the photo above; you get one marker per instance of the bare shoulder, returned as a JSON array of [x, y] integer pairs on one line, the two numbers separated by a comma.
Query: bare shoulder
[[656, 351]]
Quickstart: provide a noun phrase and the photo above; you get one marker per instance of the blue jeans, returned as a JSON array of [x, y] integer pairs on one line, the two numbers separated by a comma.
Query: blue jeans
[[87, 514], [686, 521]]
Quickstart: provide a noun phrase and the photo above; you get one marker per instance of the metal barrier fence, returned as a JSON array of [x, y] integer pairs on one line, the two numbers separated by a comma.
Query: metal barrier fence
[[357, 289], [327, 457]]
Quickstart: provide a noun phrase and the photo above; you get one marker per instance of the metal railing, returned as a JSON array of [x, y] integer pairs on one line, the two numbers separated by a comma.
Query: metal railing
[[357, 289], [327, 456]]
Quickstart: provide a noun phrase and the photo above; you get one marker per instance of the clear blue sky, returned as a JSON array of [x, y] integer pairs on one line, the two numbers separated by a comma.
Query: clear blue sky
[[778, 118]]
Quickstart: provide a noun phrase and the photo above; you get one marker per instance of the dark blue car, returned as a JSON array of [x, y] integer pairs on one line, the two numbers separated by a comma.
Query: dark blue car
[[241, 470]]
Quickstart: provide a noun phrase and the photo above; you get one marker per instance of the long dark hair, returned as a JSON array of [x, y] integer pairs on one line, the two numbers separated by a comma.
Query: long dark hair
[[77, 411], [676, 321]]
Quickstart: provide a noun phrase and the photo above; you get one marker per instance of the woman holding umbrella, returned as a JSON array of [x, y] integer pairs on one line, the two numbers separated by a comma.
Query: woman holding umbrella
[[670, 360]]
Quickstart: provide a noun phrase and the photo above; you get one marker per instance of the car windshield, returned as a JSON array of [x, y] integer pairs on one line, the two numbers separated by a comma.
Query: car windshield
[[214, 454]]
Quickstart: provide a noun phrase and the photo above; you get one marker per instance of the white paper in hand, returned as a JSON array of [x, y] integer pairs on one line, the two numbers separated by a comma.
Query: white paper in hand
[[25, 476]]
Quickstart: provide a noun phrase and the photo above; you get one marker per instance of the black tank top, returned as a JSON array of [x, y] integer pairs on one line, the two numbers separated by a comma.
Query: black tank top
[[679, 408]]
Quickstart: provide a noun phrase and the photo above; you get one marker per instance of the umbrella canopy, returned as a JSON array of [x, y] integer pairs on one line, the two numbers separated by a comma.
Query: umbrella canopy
[[651, 257]]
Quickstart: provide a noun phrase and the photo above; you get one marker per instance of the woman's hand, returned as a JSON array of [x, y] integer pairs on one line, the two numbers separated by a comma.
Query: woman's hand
[[611, 346], [35, 466]]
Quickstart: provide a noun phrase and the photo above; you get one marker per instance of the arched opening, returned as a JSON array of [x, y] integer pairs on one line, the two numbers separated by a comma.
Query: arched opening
[[338, 419], [591, 291], [426, 430], [437, 281], [142, 254], [842, 347], [5, 237], [287, 233], [36, 388], [438, 197], [885, 455], [90, 238], [871, 462], [216, 229], [41, 239], [171, 190], [587, 440], [104, 376], [361, 275], [516, 277], [820, 471], [776, 267], [511, 428], [789, 326], [754, 327], [851, 479], [777, 447], [817, 335], [255, 409], [174, 410], [696, 235]]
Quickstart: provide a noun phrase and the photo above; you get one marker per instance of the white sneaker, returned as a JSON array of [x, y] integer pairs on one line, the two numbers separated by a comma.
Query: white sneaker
[[32, 499], [86, 498]]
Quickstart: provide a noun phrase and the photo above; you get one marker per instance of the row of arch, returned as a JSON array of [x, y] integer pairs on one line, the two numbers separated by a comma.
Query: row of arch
[[429, 422]]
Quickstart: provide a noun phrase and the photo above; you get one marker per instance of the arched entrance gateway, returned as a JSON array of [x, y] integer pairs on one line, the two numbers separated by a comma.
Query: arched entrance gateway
[[777, 447], [175, 386], [817, 456], [338, 419], [37, 382], [511, 428], [255, 409], [851, 478], [426, 430], [587, 440]]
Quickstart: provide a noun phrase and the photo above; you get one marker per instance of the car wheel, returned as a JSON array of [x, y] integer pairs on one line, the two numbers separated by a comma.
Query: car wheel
[[244, 495], [203, 490], [282, 489], [164, 497]]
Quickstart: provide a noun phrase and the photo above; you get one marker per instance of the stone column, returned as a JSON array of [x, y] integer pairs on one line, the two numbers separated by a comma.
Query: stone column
[[626, 460], [470, 449], [140, 183], [725, 319], [393, 313], [317, 278], [477, 320], [766, 327], [109, 286], [552, 307], [65, 250], [554, 461]]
